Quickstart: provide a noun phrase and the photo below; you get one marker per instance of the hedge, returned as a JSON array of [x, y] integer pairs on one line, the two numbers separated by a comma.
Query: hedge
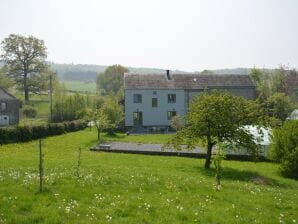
[[28, 133]]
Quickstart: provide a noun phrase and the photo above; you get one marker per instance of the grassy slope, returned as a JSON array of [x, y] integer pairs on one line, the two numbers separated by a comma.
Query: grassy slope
[[80, 86], [122, 188]]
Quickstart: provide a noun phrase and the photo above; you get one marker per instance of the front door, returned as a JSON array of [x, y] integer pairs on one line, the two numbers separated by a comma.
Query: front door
[[137, 118]]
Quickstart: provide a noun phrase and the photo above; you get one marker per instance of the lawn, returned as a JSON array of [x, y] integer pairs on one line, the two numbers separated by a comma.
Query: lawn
[[123, 188]]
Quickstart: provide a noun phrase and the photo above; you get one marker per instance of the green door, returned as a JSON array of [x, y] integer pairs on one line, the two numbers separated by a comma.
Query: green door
[[137, 118]]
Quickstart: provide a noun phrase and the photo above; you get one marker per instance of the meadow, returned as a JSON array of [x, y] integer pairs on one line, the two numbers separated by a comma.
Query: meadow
[[80, 86], [123, 188]]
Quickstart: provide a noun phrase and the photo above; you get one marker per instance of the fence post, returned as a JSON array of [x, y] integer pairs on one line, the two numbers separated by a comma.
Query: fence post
[[40, 167]]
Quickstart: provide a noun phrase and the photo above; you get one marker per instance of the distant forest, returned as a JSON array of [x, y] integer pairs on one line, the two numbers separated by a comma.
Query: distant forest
[[87, 72]]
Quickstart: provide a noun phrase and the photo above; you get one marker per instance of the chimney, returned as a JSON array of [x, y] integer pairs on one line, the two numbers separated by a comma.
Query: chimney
[[168, 74]]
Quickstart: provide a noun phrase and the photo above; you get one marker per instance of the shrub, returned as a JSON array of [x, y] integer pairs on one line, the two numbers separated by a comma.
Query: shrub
[[29, 111], [28, 133], [284, 148]]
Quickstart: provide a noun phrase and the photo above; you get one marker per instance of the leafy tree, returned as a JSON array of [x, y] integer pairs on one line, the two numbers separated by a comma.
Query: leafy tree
[[284, 148], [279, 105], [262, 82], [68, 107], [41, 81], [113, 110], [5, 81], [23, 57], [101, 121], [111, 81], [177, 123], [216, 118]]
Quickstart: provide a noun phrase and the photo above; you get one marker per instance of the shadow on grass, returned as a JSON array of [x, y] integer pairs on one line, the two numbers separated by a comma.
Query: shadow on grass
[[229, 173]]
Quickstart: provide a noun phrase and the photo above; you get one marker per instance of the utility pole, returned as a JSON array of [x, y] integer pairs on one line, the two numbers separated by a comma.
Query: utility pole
[[51, 97]]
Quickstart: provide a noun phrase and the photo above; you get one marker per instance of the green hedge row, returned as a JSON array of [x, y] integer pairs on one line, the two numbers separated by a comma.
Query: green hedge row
[[28, 133]]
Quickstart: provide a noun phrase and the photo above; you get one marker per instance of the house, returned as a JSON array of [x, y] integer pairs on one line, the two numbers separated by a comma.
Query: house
[[152, 100], [9, 108]]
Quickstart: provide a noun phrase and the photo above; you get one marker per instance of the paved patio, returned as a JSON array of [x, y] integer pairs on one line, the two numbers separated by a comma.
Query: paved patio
[[157, 149]]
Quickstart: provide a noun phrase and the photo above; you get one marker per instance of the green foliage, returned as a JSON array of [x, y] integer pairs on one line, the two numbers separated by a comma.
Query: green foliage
[[24, 57], [284, 148], [219, 117], [68, 107], [28, 133], [111, 81], [29, 111], [101, 121], [176, 123], [127, 188], [269, 82], [279, 105], [217, 160], [113, 110], [5, 81]]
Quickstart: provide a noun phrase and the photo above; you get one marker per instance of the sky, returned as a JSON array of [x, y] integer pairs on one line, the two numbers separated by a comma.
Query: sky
[[189, 35]]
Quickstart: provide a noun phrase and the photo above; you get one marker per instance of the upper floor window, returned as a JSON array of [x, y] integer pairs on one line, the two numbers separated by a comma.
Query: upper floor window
[[137, 98], [2, 106], [154, 102], [171, 98], [171, 114]]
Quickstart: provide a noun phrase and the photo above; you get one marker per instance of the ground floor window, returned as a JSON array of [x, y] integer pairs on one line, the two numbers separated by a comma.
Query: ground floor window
[[171, 114], [137, 118]]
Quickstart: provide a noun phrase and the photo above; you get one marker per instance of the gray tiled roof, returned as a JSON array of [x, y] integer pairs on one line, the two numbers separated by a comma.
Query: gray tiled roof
[[184, 81], [5, 95]]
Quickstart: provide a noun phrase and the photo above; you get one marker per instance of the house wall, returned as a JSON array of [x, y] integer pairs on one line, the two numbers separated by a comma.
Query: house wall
[[12, 111], [153, 116], [247, 92]]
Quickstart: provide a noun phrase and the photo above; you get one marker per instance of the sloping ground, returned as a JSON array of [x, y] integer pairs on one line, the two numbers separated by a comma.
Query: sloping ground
[[122, 188]]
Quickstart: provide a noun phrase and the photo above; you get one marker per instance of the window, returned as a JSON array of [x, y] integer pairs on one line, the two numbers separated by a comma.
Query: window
[[154, 102], [3, 106], [154, 92], [171, 114], [137, 98], [171, 98]]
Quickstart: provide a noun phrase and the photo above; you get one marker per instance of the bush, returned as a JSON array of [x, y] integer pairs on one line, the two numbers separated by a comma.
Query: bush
[[29, 111], [284, 148], [28, 133]]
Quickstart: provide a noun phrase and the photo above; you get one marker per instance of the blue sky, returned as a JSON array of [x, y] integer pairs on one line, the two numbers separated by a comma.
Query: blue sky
[[189, 35]]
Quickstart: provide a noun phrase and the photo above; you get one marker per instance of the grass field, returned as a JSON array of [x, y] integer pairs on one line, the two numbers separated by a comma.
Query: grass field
[[80, 86], [122, 188]]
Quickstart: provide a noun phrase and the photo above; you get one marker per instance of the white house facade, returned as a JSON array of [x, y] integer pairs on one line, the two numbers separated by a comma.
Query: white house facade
[[152, 100]]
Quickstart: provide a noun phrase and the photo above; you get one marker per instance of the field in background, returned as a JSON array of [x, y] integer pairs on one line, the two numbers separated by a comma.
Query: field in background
[[80, 86], [122, 188]]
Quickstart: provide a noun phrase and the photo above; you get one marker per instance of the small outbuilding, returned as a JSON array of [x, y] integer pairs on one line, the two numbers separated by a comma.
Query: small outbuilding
[[9, 108]]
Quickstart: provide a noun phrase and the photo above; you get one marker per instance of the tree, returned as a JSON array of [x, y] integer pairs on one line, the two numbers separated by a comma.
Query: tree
[[219, 118], [101, 121], [279, 105], [177, 123], [111, 81], [41, 81], [5, 81], [113, 110], [23, 57], [284, 148]]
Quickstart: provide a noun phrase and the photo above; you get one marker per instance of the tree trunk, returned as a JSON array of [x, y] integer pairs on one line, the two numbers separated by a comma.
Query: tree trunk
[[208, 155], [98, 135], [26, 89]]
